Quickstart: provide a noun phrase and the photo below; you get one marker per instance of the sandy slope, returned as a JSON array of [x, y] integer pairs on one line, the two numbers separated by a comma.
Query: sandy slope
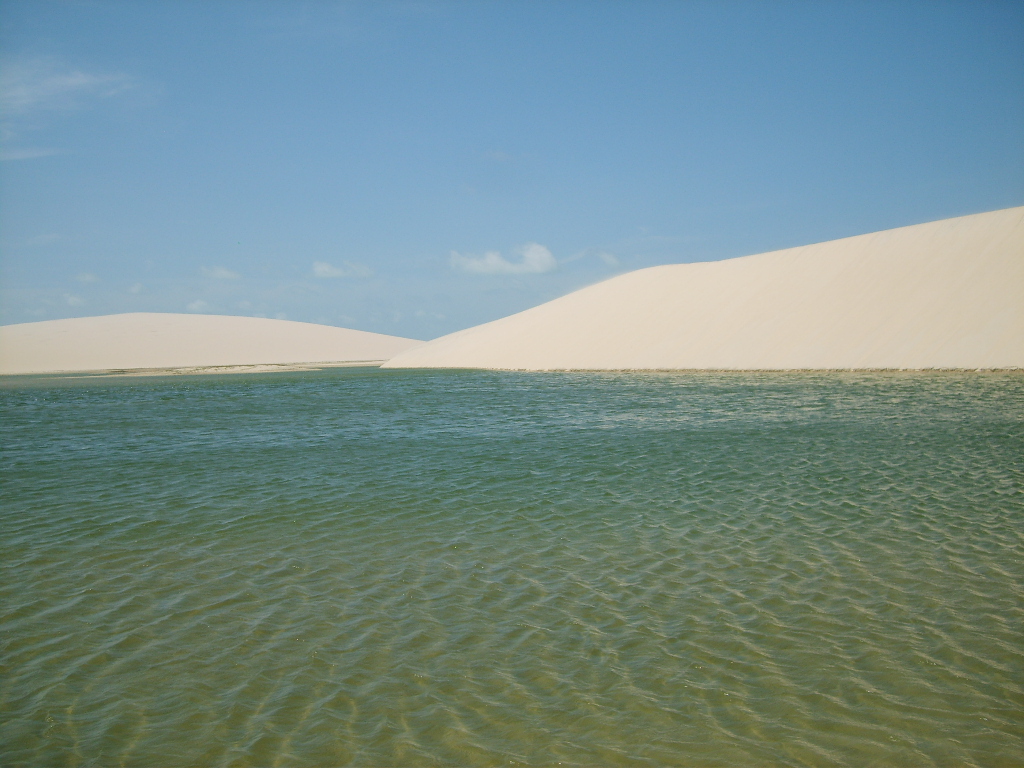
[[948, 294], [149, 340]]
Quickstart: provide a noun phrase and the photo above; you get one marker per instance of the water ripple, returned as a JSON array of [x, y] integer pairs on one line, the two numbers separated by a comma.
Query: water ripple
[[466, 568]]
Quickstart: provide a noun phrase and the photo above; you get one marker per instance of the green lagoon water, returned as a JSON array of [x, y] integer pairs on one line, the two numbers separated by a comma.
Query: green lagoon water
[[383, 568]]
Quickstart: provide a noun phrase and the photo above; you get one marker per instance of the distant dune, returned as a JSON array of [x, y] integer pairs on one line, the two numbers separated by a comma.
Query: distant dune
[[155, 341], [949, 294]]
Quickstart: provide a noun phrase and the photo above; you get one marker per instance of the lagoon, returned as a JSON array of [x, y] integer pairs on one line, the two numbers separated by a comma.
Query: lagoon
[[375, 568]]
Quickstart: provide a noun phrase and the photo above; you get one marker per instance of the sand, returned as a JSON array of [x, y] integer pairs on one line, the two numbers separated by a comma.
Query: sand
[[947, 294], [196, 343]]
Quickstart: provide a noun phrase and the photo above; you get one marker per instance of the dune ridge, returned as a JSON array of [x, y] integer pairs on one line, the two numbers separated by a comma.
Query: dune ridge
[[942, 295], [156, 341]]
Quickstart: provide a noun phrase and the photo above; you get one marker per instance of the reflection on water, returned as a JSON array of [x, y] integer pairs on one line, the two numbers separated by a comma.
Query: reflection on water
[[371, 568]]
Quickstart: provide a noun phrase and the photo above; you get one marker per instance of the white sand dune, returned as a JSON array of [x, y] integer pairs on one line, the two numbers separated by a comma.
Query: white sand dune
[[162, 341], [948, 294]]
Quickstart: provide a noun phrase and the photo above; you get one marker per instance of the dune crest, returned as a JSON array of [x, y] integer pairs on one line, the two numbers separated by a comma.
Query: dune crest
[[146, 340], [947, 294]]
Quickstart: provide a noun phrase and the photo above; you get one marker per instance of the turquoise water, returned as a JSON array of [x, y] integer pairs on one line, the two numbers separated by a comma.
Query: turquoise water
[[384, 568]]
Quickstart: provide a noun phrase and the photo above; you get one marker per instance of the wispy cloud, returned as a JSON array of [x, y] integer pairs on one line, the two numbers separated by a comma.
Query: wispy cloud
[[219, 273], [498, 156], [136, 288], [44, 239], [347, 269], [533, 259], [73, 301], [30, 88], [27, 153], [197, 306], [606, 257], [46, 84], [87, 277]]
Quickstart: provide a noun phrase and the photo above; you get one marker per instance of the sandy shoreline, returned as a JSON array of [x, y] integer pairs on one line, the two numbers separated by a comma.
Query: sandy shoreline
[[215, 370]]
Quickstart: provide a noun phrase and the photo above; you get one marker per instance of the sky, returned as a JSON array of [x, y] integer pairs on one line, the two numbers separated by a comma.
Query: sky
[[415, 168]]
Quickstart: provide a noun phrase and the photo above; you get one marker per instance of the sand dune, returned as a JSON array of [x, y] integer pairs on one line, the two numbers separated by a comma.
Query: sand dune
[[948, 294], [150, 340]]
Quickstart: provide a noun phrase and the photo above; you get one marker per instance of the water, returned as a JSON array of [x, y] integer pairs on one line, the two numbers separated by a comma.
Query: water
[[381, 568]]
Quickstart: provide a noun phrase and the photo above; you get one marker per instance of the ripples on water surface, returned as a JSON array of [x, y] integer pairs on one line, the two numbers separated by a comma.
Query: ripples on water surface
[[375, 568]]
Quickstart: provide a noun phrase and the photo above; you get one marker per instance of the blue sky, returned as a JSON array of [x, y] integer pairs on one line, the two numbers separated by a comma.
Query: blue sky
[[416, 168]]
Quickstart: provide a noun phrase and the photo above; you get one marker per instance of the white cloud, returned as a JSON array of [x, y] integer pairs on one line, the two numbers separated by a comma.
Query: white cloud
[[43, 239], [348, 269], [31, 87], [73, 301], [498, 156], [220, 273], [27, 153], [87, 277], [46, 84], [431, 315], [535, 259], [137, 288], [608, 258], [198, 306]]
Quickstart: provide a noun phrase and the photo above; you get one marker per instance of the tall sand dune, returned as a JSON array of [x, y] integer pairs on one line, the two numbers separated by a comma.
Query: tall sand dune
[[948, 294], [150, 340]]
